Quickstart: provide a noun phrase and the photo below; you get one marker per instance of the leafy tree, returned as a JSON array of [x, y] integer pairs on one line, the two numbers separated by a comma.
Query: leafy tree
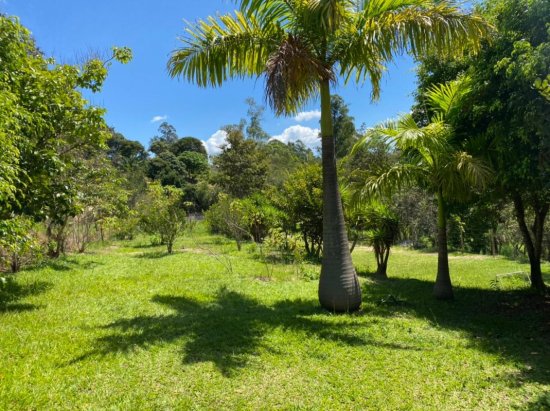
[[345, 135], [51, 127], [259, 215], [227, 217], [19, 243], [101, 199], [543, 86], [241, 168], [9, 155], [178, 162], [130, 159], [512, 119], [188, 144], [248, 218], [283, 159], [168, 169], [254, 128], [432, 161], [382, 227], [125, 154], [417, 212], [162, 214], [162, 142], [301, 47], [301, 200]]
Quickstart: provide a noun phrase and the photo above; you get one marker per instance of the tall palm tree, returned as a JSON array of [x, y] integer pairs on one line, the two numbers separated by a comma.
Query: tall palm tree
[[301, 47], [431, 161]]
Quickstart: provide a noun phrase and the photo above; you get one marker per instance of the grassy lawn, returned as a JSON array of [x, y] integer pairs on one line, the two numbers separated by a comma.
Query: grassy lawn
[[126, 326]]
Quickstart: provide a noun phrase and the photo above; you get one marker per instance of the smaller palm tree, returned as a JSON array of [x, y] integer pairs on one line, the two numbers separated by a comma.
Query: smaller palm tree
[[430, 160]]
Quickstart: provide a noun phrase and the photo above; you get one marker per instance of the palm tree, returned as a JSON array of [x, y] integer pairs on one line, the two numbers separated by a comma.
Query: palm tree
[[301, 47], [431, 161]]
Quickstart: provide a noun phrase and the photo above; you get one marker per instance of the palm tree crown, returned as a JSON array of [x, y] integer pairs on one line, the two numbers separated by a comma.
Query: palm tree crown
[[297, 43], [301, 47]]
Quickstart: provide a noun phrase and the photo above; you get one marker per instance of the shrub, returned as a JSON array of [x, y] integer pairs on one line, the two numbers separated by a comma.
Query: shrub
[[19, 244], [162, 213], [301, 203], [241, 219]]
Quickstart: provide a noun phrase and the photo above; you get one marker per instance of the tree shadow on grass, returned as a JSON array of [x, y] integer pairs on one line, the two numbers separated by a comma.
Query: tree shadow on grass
[[541, 403], [64, 264], [227, 331], [154, 255], [11, 292], [512, 324]]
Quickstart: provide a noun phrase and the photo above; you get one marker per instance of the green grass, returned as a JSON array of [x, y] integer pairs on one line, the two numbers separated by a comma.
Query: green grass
[[128, 327]]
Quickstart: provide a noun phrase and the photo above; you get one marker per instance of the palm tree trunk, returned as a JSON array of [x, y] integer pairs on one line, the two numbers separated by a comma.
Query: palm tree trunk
[[339, 288], [382, 269], [443, 289]]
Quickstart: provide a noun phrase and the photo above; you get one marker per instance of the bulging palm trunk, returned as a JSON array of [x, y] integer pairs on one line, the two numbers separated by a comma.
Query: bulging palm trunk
[[339, 288], [443, 288]]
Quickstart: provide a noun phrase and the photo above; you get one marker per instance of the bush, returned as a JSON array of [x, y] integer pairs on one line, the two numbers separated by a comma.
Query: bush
[[289, 247], [19, 244], [301, 203], [241, 219], [162, 213]]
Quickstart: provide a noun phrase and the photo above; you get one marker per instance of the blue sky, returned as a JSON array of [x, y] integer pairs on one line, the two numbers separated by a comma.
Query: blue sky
[[136, 93]]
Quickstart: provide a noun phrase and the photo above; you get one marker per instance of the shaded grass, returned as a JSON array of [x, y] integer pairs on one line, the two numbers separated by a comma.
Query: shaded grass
[[199, 330]]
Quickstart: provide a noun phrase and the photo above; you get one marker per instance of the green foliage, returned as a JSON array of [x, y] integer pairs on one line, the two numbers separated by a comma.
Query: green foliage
[[345, 134], [417, 211], [242, 219], [254, 128], [283, 159], [179, 162], [259, 215], [282, 40], [543, 86], [505, 118], [162, 213], [19, 244], [374, 222], [289, 246], [126, 155], [51, 126], [188, 145], [430, 158], [226, 217], [101, 201], [381, 225], [301, 200], [241, 168]]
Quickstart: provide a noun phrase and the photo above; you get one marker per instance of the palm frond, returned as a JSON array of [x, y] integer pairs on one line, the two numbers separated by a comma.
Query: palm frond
[[268, 11], [462, 174], [445, 98], [227, 47], [329, 14], [293, 74], [359, 60], [384, 184], [420, 26]]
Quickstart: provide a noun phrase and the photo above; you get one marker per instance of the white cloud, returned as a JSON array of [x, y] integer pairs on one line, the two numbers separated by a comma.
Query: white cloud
[[156, 119], [214, 143], [308, 116], [308, 136]]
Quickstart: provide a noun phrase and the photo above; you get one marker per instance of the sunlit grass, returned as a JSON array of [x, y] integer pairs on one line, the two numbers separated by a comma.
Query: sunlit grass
[[127, 326]]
